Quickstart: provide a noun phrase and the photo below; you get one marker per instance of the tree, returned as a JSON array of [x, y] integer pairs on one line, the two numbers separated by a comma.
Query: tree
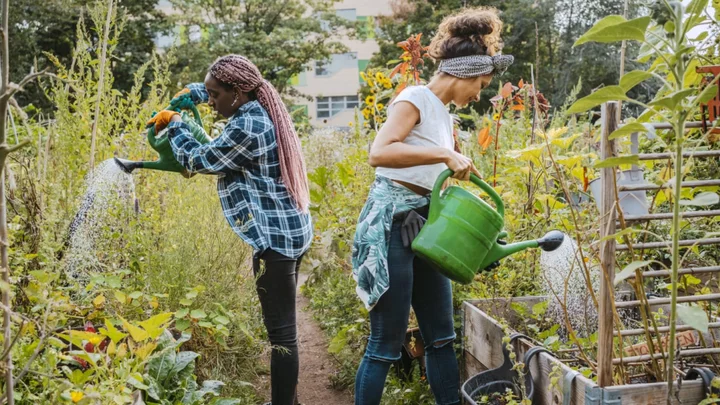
[[559, 23], [282, 37], [50, 26]]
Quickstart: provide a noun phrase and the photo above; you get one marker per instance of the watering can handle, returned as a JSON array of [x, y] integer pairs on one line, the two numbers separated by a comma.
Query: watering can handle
[[152, 140], [194, 110], [435, 196]]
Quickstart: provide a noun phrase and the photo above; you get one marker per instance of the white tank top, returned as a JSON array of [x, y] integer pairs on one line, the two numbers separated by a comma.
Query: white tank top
[[435, 129]]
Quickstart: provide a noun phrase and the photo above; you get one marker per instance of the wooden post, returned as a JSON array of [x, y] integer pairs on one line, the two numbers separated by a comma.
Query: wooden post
[[607, 247]]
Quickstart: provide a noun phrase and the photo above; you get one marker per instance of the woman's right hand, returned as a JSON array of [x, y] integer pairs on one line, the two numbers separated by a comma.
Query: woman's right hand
[[181, 99], [461, 166]]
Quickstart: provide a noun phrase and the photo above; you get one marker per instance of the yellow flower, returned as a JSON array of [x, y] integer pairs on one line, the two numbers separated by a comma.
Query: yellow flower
[[370, 100], [363, 76], [380, 106], [496, 117], [76, 396], [379, 77], [406, 58], [350, 124], [387, 84]]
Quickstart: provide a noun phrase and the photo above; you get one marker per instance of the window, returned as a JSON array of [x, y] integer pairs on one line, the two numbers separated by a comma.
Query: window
[[329, 106], [349, 14], [337, 62]]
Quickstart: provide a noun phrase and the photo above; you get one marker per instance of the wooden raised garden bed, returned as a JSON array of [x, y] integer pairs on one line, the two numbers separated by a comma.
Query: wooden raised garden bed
[[482, 350]]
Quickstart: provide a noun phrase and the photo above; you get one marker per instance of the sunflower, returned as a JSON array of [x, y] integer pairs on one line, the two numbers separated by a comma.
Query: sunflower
[[380, 77], [387, 84], [380, 106], [496, 117], [370, 100]]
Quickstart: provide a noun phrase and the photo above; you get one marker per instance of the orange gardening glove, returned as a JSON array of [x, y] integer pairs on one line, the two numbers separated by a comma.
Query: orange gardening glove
[[161, 120], [181, 92]]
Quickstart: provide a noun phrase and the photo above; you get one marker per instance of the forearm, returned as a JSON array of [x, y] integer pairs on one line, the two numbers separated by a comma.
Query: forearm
[[399, 155]]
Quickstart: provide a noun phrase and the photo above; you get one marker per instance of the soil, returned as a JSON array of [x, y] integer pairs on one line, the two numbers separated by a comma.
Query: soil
[[316, 365]]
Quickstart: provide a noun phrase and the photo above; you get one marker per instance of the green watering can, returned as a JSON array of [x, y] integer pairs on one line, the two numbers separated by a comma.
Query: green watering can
[[461, 233], [166, 160]]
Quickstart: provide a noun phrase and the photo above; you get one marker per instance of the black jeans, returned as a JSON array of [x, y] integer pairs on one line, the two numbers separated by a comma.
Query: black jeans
[[276, 282]]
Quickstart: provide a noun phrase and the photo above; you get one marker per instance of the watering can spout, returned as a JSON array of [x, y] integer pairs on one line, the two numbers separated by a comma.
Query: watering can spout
[[551, 241], [128, 165]]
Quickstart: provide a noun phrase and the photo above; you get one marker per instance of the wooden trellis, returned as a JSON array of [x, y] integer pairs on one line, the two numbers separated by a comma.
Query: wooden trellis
[[608, 248]]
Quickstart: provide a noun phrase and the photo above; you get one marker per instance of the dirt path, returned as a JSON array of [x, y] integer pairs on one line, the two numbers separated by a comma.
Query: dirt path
[[315, 362], [316, 365]]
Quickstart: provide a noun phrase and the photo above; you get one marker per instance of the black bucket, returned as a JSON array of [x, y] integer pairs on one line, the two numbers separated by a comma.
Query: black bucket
[[499, 380]]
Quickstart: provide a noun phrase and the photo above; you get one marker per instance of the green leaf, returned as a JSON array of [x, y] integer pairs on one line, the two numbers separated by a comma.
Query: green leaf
[[223, 320], [693, 316], [628, 129], [702, 199], [206, 324], [186, 302], [182, 324], [708, 93], [671, 101], [198, 314], [605, 94], [539, 308], [161, 365], [224, 401], [614, 28], [617, 161], [135, 295], [632, 79], [136, 380], [629, 270], [212, 386], [697, 7], [182, 313], [182, 360]]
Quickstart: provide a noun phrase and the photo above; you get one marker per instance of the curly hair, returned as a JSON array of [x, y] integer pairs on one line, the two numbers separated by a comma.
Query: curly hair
[[472, 31]]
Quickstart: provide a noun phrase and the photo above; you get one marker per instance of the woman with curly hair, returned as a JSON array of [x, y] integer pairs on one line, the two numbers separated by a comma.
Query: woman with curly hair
[[263, 189], [410, 151]]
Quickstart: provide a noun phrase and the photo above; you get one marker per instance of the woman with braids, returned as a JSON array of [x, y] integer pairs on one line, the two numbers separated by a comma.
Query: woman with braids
[[263, 189], [411, 149]]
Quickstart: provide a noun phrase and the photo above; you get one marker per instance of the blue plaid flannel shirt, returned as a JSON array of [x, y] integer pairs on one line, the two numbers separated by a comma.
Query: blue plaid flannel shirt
[[245, 158]]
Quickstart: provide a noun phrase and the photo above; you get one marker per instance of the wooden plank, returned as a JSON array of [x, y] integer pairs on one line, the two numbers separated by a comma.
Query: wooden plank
[[655, 393], [483, 337], [689, 270], [683, 243], [663, 156], [542, 365], [666, 125], [607, 247], [684, 184], [472, 366], [663, 329], [668, 215], [662, 301]]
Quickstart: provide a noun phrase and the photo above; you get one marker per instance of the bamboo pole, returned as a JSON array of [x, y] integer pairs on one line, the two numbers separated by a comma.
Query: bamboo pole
[[667, 244], [691, 270], [664, 329], [607, 248], [101, 84]]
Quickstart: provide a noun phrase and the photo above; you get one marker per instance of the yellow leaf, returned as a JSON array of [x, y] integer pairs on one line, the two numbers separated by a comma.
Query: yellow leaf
[[122, 350], [111, 349], [155, 325], [99, 301], [93, 338], [144, 351], [136, 333], [564, 143], [112, 332], [550, 201]]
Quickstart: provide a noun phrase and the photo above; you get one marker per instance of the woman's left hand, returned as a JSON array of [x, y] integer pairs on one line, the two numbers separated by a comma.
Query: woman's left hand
[[162, 119]]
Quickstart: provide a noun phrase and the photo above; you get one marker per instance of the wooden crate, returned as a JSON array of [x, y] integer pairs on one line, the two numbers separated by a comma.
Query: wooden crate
[[482, 346]]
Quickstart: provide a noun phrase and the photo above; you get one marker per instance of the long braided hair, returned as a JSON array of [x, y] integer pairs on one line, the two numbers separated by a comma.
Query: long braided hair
[[238, 72]]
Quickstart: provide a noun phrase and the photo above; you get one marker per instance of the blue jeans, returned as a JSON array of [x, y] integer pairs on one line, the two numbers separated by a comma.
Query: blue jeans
[[412, 282]]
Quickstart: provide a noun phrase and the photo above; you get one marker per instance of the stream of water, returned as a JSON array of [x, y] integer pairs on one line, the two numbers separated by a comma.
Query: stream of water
[[103, 212], [564, 281]]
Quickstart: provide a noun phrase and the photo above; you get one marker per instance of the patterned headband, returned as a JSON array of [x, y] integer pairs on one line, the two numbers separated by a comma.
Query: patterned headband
[[475, 65]]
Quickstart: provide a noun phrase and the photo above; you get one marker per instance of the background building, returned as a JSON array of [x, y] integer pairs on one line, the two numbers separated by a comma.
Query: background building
[[334, 85]]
